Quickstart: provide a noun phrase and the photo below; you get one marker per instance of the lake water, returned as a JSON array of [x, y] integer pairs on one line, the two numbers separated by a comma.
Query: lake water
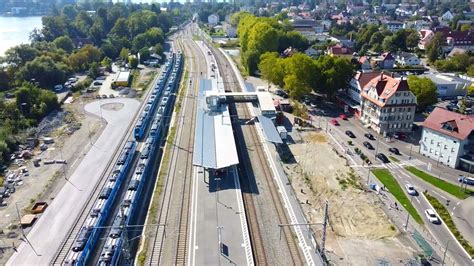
[[16, 30]]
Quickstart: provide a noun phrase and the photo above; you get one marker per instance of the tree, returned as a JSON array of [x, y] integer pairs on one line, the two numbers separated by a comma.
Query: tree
[[120, 28], [159, 49], [470, 71], [124, 54], [144, 54], [44, 70], [20, 54], [424, 90], [335, 74], [133, 61], [434, 49], [34, 102], [412, 40], [271, 68], [65, 43], [94, 71], [107, 63], [466, 27]]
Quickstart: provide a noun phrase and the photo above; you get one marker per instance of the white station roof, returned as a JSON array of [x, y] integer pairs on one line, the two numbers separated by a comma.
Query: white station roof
[[214, 143]]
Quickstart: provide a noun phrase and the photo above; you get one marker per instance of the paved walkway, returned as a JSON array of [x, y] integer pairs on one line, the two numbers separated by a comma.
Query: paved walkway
[[52, 226]]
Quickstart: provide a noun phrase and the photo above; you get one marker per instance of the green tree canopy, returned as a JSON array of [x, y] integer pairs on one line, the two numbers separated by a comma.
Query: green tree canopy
[[424, 90], [434, 49], [44, 70], [65, 43]]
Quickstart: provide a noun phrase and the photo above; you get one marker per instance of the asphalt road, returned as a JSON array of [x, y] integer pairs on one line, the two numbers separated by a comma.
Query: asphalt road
[[52, 226], [440, 232]]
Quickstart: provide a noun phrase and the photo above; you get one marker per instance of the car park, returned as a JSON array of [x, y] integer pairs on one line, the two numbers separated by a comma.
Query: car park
[[350, 134], [431, 216], [411, 189], [382, 157], [368, 145], [369, 136], [334, 122]]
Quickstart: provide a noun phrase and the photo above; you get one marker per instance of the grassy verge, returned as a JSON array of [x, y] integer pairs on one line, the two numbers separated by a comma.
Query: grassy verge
[[444, 213], [441, 184], [182, 91], [392, 185], [393, 159], [135, 77]]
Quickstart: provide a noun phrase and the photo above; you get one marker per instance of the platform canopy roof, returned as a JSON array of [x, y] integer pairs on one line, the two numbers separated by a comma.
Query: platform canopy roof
[[269, 130]]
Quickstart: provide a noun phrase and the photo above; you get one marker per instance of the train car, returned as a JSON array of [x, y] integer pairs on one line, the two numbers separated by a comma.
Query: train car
[[109, 254], [89, 233]]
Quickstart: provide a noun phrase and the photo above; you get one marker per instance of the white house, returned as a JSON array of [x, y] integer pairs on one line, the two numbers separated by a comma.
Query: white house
[[394, 26], [448, 138], [230, 31], [448, 16], [213, 19], [407, 59]]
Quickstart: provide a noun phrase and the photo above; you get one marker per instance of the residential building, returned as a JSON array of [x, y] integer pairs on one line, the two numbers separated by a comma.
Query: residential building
[[339, 50], [394, 26], [456, 51], [352, 94], [448, 86], [426, 36], [452, 39], [448, 138], [447, 16], [230, 31], [213, 19], [387, 105], [384, 61], [407, 59], [364, 62]]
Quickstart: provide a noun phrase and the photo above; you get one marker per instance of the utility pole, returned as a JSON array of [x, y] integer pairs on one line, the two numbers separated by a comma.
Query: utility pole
[[325, 223], [377, 147]]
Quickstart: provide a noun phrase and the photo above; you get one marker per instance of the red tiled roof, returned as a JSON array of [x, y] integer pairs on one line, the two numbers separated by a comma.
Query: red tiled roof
[[386, 86], [440, 116], [340, 50], [365, 77]]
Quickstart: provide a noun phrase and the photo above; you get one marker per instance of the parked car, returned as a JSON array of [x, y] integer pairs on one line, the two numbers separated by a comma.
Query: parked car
[[368, 145], [394, 150], [382, 157], [369, 136], [343, 116], [334, 122], [281, 93], [97, 83], [104, 96], [466, 180], [431, 215], [111, 96], [101, 78], [350, 134], [312, 104], [411, 189]]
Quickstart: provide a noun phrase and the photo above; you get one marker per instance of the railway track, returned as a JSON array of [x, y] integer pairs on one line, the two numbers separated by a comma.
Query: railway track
[[73, 232], [255, 234], [178, 182]]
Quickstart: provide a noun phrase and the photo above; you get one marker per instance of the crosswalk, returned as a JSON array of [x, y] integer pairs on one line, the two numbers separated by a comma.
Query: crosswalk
[[395, 165]]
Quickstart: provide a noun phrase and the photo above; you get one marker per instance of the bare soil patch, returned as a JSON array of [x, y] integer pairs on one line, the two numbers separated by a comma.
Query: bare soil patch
[[113, 106], [358, 225]]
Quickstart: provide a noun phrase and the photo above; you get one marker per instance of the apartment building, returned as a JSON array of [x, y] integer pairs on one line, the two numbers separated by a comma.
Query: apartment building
[[448, 138], [387, 105]]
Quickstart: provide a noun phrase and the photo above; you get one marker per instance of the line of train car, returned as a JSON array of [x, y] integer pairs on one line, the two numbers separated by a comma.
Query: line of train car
[[147, 114], [111, 252], [89, 232]]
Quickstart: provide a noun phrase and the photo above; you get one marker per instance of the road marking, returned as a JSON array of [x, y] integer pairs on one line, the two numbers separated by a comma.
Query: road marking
[[418, 200], [439, 195]]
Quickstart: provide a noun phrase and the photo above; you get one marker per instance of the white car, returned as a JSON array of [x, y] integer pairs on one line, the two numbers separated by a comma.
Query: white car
[[430, 214], [411, 189]]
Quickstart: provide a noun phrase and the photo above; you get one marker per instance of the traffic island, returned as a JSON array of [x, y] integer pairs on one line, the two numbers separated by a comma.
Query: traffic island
[[393, 187], [448, 221], [450, 188]]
